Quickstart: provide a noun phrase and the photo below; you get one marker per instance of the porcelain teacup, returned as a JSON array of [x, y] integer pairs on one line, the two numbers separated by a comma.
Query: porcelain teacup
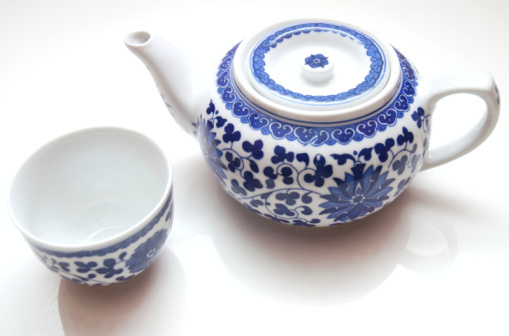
[[95, 205]]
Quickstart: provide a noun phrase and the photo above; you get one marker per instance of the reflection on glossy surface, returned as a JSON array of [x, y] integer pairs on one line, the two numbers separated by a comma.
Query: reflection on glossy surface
[[148, 303], [328, 265]]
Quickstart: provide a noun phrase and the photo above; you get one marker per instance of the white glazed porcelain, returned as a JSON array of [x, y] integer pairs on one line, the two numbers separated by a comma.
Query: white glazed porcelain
[[290, 68], [95, 205], [312, 122]]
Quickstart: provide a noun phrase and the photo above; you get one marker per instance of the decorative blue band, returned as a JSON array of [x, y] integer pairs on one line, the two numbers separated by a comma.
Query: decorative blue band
[[316, 135], [373, 50]]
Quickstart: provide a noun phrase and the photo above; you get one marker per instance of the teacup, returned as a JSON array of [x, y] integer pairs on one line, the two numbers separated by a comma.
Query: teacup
[[95, 205]]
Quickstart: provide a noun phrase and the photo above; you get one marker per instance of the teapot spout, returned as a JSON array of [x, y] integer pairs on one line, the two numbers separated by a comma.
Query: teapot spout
[[173, 73]]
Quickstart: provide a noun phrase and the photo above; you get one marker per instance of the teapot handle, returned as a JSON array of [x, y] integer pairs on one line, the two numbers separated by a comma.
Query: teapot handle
[[478, 83]]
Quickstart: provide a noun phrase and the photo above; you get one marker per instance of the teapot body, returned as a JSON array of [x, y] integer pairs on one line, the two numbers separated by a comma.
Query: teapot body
[[313, 175]]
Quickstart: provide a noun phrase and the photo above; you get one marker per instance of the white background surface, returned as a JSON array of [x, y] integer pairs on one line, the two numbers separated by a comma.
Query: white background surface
[[436, 261]]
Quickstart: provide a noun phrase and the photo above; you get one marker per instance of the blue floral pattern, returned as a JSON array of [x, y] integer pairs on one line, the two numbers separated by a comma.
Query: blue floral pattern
[[316, 61], [358, 194], [321, 134], [115, 263], [310, 187]]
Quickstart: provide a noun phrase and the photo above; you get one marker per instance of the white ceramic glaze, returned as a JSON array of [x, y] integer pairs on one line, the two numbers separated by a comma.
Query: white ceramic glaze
[[95, 205], [317, 142]]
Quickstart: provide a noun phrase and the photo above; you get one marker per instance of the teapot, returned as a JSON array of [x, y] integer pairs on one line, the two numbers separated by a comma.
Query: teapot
[[313, 122]]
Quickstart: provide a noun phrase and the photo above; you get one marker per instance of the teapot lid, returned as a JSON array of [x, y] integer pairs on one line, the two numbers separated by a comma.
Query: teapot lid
[[314, 66]]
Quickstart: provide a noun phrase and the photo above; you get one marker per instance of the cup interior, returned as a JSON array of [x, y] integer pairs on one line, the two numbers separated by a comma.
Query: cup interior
[[89, 187]]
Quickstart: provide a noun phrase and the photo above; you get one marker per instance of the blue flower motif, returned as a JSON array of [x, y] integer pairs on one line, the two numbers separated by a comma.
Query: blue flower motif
[[255, 149], [233, 162], [251, 183], [290, 198], [281, 155], [147, 252], [220, 121], [109, 269], [231, 135], [359, 194], [211, 109], [283, 210], [315, 61], [321, 173], [418, 116], [383, 150], [400, 165], [407, 136]]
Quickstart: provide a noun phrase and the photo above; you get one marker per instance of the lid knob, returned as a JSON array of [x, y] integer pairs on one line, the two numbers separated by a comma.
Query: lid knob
[[317, 68]]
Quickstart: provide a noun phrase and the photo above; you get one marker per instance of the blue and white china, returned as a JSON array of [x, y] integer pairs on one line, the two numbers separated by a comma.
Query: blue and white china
[[311, 122], [95, 205]]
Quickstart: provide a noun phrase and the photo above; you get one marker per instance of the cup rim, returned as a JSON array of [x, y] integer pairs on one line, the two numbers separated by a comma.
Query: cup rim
[[98, 245]]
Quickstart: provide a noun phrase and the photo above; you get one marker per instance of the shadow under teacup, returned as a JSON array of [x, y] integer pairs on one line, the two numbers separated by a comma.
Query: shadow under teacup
[[95, 205]]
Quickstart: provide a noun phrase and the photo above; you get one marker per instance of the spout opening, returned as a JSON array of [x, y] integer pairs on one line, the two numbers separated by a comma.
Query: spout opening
[[137, 38]]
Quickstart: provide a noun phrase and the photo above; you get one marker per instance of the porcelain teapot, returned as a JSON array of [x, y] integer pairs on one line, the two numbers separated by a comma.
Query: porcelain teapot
[[313, 122]]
